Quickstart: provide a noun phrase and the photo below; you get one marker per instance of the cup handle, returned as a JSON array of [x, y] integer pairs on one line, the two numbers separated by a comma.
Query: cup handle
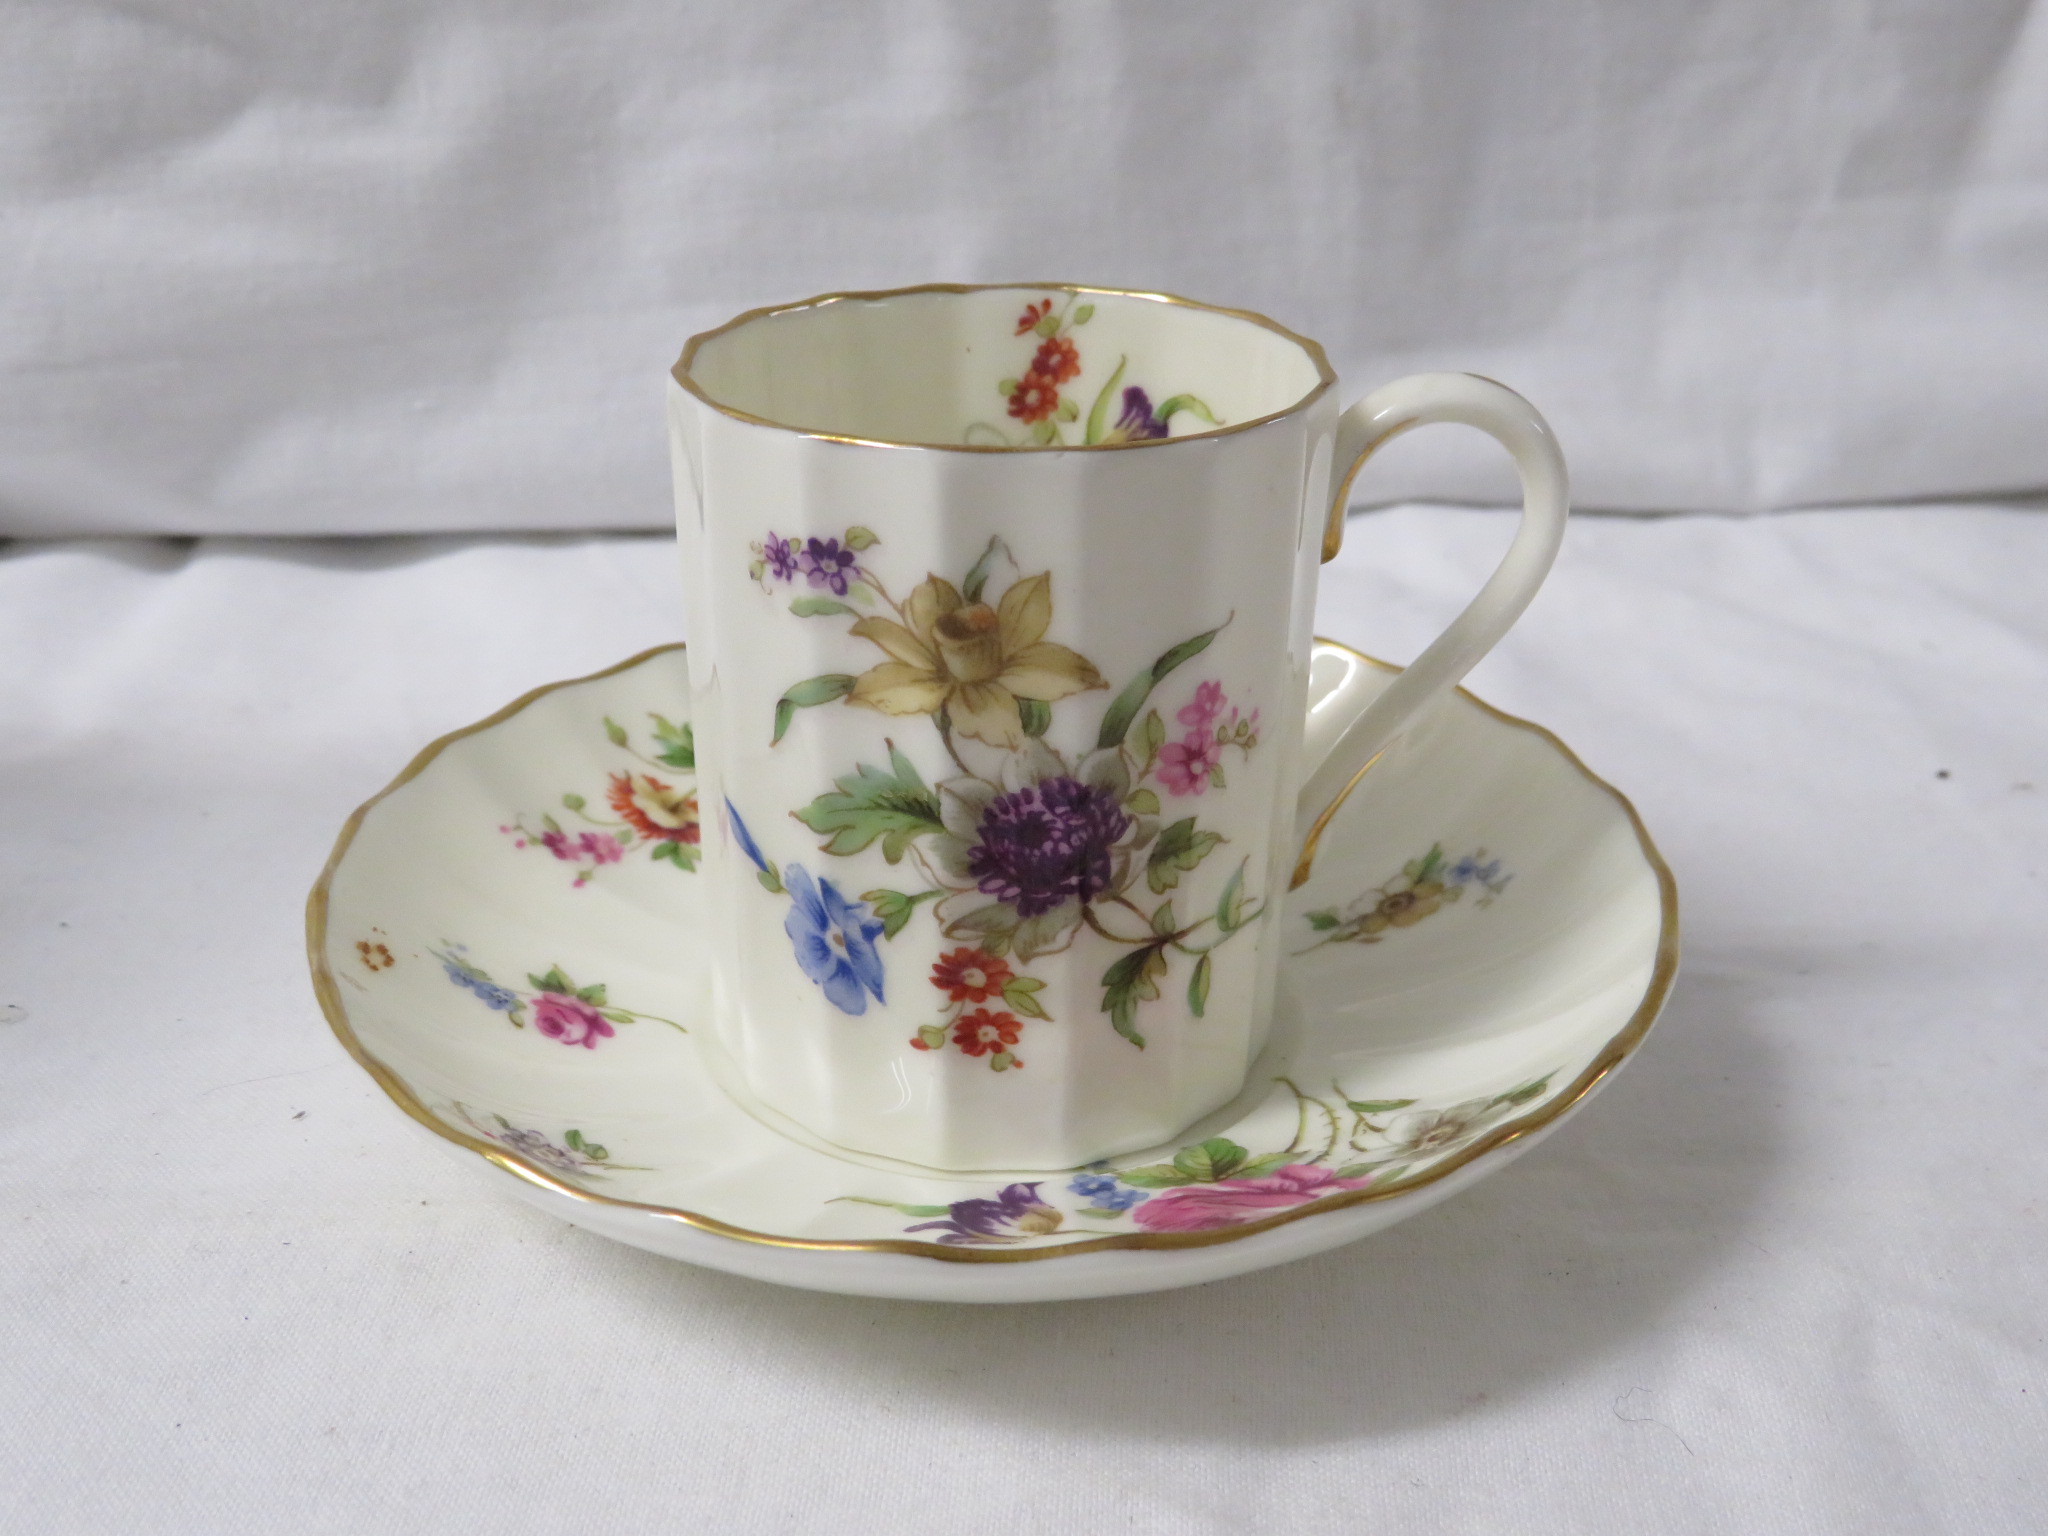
[[1354, 731]]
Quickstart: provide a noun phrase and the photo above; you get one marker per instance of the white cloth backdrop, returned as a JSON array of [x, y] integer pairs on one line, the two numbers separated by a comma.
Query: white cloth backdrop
[[371, 265], [1784, 1276], [405, 268]]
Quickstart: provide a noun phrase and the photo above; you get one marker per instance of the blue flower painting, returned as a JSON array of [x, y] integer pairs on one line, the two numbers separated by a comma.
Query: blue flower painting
[[835, 941]]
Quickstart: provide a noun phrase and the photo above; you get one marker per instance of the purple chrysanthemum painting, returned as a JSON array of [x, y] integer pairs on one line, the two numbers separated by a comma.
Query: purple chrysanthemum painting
[[1047, 844]]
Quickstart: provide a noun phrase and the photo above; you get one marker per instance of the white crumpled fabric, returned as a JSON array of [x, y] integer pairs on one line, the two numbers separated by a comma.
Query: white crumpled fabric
[[391, 269], [1785, 1275], [384, 267]]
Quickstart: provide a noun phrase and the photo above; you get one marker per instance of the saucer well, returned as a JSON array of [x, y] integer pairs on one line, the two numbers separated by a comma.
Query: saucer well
[[507, 940]]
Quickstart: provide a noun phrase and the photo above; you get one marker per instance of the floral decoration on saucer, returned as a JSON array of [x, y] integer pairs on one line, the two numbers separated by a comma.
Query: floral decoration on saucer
[[1487, 935]]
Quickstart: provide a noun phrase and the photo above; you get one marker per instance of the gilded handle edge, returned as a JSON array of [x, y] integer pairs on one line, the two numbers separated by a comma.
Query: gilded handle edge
[[1519, 427]]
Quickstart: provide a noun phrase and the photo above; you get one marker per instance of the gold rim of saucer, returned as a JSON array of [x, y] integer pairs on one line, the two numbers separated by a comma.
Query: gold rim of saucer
[[1325, 374], [1617, 1049]]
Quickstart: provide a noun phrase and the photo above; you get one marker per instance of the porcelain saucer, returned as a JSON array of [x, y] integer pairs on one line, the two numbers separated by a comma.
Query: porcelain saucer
[[507, 940]]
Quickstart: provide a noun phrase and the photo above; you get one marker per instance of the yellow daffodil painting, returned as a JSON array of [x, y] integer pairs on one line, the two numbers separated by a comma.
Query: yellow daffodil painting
[[981, 665]]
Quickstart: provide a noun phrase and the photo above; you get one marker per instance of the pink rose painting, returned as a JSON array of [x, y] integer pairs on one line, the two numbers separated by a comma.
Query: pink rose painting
[[569, 1019], [1230, 1202]]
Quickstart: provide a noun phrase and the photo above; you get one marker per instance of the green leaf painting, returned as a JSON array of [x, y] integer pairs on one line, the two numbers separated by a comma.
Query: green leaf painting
[[1132, 980], [1117, 721], [818, 607], [808, 695], [678, 744], [1181, 846], [892, 804]]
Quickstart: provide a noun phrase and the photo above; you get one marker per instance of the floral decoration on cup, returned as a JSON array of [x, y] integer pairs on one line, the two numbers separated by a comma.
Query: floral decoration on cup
[[834, 938], [969, 980], [1022, 850], [1033, 398], [650, 808]]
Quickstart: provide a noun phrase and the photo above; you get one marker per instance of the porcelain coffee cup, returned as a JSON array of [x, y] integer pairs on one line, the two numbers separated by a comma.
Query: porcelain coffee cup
[[999, 605]]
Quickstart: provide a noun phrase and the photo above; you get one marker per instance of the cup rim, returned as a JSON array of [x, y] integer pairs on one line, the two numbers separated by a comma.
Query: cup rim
[[1325, 374]]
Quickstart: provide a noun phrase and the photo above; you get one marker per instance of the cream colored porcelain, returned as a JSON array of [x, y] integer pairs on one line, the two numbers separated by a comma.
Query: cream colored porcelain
[[999, 732], [514, 939]]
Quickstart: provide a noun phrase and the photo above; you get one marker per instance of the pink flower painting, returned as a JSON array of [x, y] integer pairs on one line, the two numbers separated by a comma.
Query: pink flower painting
[[1200, 712], [1217, 1184], [1185, 766], [1230, 1202], [558, 1008], [567, 1018], [651, 813]]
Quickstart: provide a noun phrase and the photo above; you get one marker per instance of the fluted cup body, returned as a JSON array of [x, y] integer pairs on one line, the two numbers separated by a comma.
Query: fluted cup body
[[999, 613]]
